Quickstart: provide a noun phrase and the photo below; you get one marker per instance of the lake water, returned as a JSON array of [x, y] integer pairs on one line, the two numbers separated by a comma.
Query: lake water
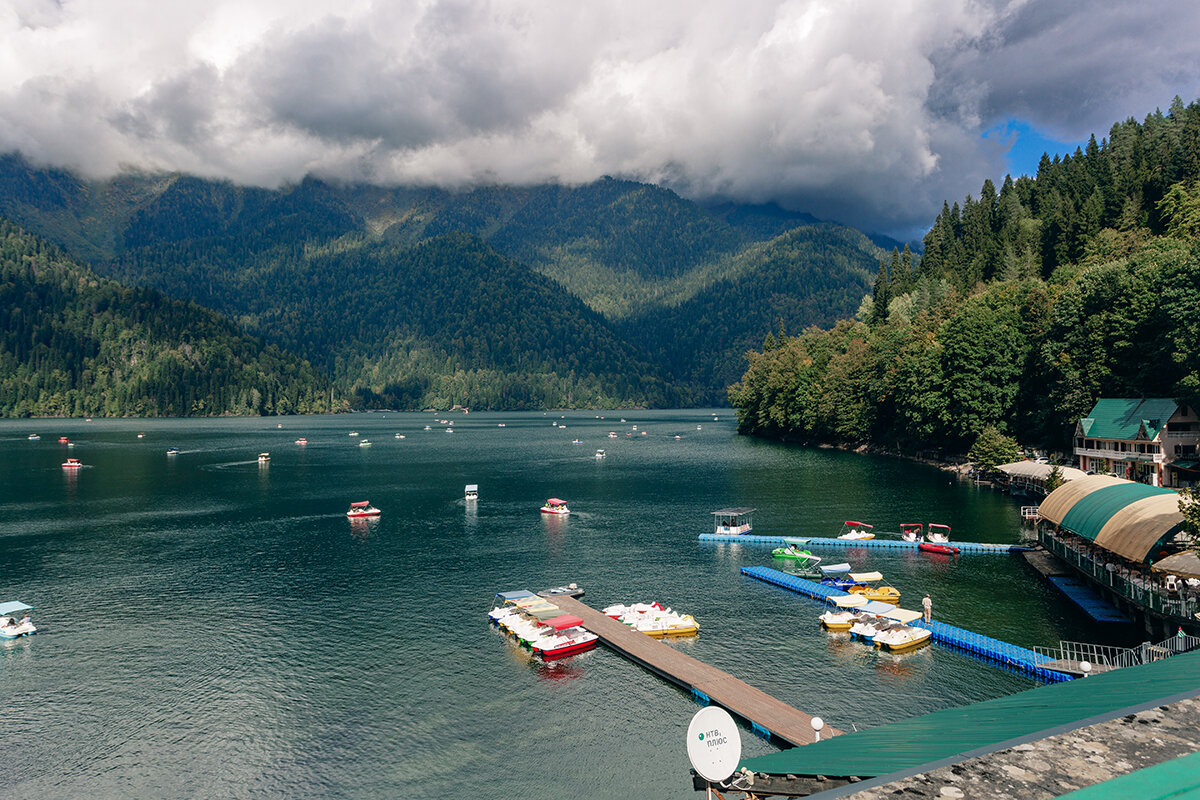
[[213, 628]]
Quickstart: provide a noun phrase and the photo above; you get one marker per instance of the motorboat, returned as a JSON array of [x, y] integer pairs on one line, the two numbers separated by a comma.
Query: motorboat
[[302, 441], [601, 454], [365, 443], [569, 590], [556, 506], [363, 508], [72, 464], [911, 531], [867, 584], [172, 451], [33, 437], [942, 549], [10, 626], [352, 433], [857, 530], [568, 637], [399, 435], [938, 534], [471, 492], [733, 521], [263, 458]]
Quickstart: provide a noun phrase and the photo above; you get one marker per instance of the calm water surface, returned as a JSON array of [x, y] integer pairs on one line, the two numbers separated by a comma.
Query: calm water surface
[[213, 628]]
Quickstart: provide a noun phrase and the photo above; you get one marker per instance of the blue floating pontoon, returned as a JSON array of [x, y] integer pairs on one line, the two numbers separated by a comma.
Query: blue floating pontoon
[[870, 544]]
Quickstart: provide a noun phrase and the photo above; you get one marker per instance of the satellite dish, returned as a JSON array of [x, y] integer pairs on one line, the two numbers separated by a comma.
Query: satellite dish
[[714, 744]]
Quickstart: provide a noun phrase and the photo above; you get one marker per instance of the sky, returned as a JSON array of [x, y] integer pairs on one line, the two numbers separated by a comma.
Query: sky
[[868, 112]]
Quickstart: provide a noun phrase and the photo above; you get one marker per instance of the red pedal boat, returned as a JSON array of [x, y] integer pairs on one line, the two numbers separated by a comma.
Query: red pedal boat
[[362, 509]]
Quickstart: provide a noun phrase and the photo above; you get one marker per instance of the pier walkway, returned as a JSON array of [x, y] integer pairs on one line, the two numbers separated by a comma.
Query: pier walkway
[[1088, 601], [1010, 655], [707, 683], [870, 544]]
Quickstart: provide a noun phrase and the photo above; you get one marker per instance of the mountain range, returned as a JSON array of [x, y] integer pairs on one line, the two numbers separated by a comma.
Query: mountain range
[[613, 293]]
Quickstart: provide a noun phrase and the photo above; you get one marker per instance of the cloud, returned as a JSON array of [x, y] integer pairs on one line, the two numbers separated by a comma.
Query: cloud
[[866, 111]]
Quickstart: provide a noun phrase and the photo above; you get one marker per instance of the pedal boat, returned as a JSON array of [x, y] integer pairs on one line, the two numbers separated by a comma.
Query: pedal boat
[[844, 616], [852, 530], [867, 584], [911, 531]]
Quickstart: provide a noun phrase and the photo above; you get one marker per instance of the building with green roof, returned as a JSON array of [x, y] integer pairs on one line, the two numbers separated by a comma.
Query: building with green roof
[[1150, 440]]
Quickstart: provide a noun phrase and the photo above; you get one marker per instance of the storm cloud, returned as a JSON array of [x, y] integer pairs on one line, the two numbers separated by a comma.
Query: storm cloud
[[868, 112]]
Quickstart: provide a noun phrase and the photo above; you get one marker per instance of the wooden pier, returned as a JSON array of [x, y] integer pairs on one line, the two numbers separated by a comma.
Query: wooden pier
[[762, 710]]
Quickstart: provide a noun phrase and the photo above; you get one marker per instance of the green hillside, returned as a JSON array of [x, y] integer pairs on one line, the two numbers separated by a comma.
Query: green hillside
[[653, 272], [78, 345], [1029, 304]]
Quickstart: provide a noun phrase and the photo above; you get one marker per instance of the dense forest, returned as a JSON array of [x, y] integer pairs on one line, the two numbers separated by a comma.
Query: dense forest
[[613, 293], [1027, 305], [74, 344]]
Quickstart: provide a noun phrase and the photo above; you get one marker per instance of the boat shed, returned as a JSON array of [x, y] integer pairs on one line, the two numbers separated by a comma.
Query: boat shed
[[920, 744], [1129, 519]]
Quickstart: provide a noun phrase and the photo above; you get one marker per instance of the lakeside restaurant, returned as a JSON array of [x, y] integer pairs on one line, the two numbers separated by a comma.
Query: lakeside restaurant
[[1126, 538], [1149, 440]]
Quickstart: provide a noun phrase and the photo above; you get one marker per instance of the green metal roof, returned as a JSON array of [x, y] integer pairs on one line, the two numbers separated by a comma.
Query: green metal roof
[[1092, 511], [955, 731], [1122, 419], [1177, 779]]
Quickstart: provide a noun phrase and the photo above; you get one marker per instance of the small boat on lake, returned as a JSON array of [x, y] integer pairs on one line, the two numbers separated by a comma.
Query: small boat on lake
[[852, 530], [804, 559], [172, 451], [352, 433], [843, 616], [867, 584], [911, 531], [33, 437], [264, 458], [902, 635], [471, 492], [556, 506], [365, 443], [63, 440], [10, 626], [568, 637], [601, 454], [938, 534], [363, 508], [302, 441], [733, 521], [72, 464], [612, 434]]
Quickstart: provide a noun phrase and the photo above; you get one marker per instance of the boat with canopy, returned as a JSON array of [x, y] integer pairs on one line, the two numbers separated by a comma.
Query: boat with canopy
[[937, 540], [10, 626], [565, 636], [867, 584], [556, 506], [363, 508], [911, 531], [856, 530], [733, 521], [902, 636]]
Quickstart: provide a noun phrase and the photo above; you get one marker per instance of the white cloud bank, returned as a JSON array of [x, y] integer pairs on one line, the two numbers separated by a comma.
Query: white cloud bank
[[867, 111]]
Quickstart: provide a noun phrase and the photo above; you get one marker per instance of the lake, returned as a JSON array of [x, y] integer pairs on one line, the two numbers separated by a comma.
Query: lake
[[212, 627]]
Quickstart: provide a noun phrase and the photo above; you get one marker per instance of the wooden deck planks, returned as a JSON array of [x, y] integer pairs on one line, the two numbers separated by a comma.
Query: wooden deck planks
[[760, 708]]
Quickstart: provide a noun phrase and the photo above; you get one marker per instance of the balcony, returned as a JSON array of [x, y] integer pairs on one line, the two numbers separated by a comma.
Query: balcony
[[1120, 455]]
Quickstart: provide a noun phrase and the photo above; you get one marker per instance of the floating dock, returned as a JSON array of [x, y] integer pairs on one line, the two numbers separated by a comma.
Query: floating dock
[[708, 684], [1010, 655], [870, 544], [1088, 601]]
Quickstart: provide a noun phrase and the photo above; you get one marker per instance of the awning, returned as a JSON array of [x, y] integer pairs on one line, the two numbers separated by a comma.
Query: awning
[[554, 501], [1184, 464], [835, 568], [876, 607], [849, 600], [563, 622], [902, 615], [793, 540], [1126, 518], [866, 577], [1035, 471], [513, 596], [1185, 564], [727, 512], [362, 504], [13, 607]]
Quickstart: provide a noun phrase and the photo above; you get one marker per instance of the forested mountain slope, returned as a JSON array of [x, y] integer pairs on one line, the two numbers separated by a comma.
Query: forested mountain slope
[[1028, 305], [74, 344]]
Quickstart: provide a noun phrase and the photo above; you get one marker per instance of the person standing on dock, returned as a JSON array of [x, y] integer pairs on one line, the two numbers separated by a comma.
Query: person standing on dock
[[927, 604]]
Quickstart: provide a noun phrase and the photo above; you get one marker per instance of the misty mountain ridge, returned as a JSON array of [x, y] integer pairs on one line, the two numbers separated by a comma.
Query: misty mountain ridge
[[639, 282]]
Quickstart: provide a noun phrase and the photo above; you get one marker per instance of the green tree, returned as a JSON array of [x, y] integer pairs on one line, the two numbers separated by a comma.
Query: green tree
[[992, 448]]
